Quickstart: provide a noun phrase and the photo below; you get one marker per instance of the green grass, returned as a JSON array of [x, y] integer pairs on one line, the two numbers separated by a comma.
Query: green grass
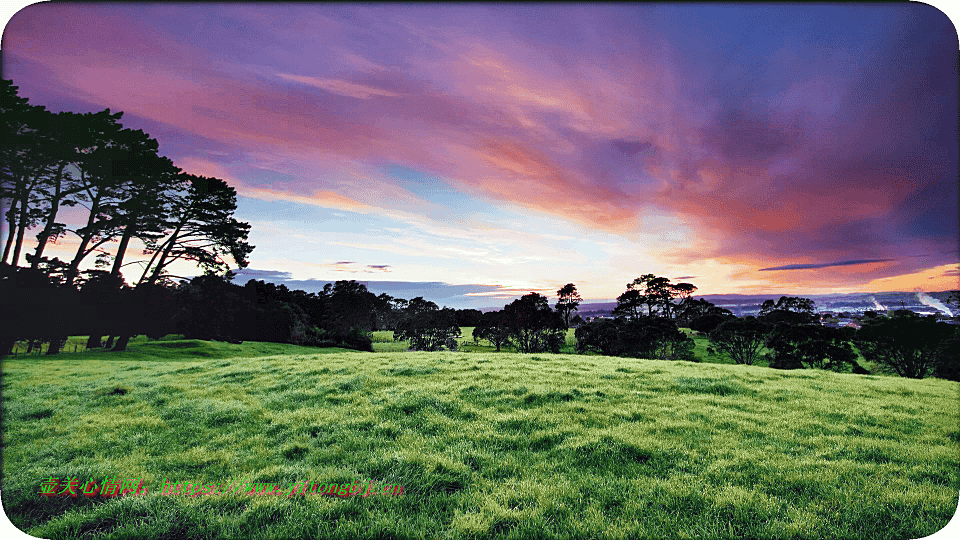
[[485, 445]]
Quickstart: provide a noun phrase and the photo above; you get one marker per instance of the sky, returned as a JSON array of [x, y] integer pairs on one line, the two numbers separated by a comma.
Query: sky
[[474, 153]]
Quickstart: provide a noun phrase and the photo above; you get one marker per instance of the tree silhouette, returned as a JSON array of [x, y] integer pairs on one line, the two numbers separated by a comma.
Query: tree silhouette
[[532, 325], [568, 301]]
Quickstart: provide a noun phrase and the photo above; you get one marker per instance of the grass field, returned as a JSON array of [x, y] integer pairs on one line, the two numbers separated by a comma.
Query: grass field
[[485, 445]]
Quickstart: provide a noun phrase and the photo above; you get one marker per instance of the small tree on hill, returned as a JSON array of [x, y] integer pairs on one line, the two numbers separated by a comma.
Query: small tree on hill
[[568, 301], [810, 346], [742, 338], [905, 343], [427, 327], [492, 328], [645, 337], [533, 326]]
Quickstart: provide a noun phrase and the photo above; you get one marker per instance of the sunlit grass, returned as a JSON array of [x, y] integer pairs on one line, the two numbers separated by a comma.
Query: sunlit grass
[[509, 445]]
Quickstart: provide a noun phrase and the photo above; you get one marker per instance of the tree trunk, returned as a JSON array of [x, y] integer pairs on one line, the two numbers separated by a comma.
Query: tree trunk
[[121, 344], [21, 228], [12, 221], [121, 250], [74, 268], [55, 345], [6, 346], [109, 343], [44, 235], [93, 342]]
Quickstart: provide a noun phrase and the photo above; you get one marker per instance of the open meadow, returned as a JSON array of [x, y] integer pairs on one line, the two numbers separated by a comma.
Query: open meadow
[[484, 445]]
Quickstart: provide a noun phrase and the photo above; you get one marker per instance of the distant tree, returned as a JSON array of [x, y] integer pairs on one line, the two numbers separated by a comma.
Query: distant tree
[[601, 336], [492, 328], [428, 327], [468, 317], [645, 337], [789, 310], [904, 343], [654, 292], [577, 320], [707, 323], [533, 326], [809, 346], [683, 291], [630, 304], [690, 309], [349, 305], [568, 302], [741, 338], [954, 298]]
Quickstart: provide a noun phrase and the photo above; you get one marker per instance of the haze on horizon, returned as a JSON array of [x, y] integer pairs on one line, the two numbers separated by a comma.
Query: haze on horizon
[[476, 153]]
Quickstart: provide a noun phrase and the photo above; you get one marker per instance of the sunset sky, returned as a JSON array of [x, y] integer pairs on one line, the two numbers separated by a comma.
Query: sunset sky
[[471, 154]]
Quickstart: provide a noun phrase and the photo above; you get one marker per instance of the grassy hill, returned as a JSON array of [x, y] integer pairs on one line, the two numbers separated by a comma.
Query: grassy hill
[[503, 445]]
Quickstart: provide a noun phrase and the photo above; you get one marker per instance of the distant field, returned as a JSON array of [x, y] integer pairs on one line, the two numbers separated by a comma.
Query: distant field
[[485, 445]]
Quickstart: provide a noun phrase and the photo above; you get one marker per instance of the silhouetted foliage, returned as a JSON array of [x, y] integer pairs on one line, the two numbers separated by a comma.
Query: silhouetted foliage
[[568, 302], [643, 337], [211, 307], [532, 326], [946, 359], [468, 317], [741, 338], [905, 343], [788, 310], [809, 346], [492, 328], [428, 327]]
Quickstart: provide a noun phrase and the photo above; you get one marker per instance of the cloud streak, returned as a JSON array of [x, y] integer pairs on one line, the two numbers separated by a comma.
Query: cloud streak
[[808, 266]]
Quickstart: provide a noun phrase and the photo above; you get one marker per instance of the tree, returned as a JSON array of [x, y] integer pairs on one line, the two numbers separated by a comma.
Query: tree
[[809, 346], [741, 338], [789, 310], [349, 305], [491, 327], [427, 327], [203, 230], [24, 164], [904, 343], [211, 307], [630, 303], [644, 337], [600, 336], [468, 317], [690, 309], [533, 326], [568, 302], [657, 293]]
